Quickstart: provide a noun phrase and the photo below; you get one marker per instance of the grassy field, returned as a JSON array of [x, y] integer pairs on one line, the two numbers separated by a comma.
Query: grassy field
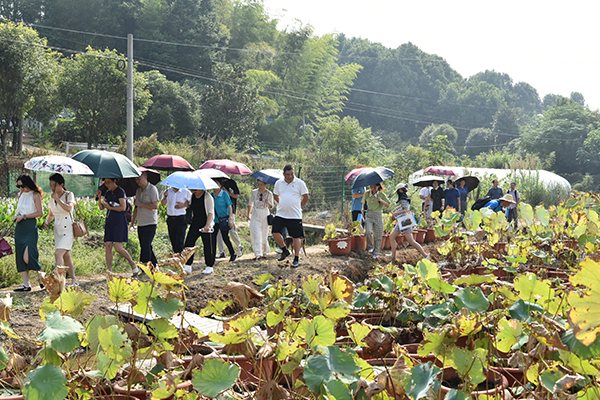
[[89, 255]]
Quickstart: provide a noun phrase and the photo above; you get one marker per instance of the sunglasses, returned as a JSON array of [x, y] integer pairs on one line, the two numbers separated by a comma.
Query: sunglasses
[[20, 186], [260, 197]]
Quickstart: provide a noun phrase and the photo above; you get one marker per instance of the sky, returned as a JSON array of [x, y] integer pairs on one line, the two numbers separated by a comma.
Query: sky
[[552, 45]]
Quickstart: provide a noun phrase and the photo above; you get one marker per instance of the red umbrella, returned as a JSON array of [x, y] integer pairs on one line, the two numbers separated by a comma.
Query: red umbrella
[[441, 170], [227, 166], [352, 174], [167, 162]]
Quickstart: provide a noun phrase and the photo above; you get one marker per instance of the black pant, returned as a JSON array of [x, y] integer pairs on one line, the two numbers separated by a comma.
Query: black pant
[[177, 228], [146, 236], [209, 243], [512, 216], [226, 240]]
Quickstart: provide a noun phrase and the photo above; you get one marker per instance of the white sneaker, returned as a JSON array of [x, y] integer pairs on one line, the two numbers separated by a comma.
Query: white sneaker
[[278, 251], [370, 249], [187, 268], [220, 255], [428, 256], [240, 251], [208, 270]]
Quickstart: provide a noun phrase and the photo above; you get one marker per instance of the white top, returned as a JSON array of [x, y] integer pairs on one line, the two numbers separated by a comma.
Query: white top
[[260, 202], [26, 204], [516, 197], [290, 196], [425, 192], [175, 197]]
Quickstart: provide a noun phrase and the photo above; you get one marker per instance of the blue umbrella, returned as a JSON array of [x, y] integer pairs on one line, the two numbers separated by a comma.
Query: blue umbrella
[[371, 176], [268, 176], [189, 180]]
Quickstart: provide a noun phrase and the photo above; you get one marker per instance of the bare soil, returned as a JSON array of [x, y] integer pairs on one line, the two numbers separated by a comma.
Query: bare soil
[[26, 321]]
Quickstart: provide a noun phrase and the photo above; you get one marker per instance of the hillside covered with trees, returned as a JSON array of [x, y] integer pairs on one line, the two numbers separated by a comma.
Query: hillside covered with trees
[[221, 70]]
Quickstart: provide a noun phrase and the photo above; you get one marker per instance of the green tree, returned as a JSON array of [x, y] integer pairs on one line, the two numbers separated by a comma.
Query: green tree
[[27, 75], [588, 153], [562, 131], [441, 151], [174, 112], [480, 140], [345, 137], [430, 134], [231, 109], [95, 90]]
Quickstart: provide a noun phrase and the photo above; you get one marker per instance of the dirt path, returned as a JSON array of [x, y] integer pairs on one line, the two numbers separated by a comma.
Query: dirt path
[[26, 321]]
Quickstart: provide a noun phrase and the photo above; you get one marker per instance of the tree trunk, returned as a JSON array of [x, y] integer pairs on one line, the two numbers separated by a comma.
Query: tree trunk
[[20, 136]]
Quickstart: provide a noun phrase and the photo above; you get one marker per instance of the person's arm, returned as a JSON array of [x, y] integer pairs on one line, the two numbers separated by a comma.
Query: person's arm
[[276, 198], [357, 195], [163, 201], [269, 202], [382, 201], [49, 218], [39, 211], [230, 209], [209, 205], [148, 206], [67, 206], [133, 216], [304, 200]]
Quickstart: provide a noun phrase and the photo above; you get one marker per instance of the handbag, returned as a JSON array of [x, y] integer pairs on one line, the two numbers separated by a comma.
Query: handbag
[[79, 227], [224, 224], [406, 221], [270, 219], [5, 249]]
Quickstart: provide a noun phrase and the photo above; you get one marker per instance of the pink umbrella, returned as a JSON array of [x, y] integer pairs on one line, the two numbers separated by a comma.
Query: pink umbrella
[[352, 174], [227, 166], [167, 162], [441, 170]]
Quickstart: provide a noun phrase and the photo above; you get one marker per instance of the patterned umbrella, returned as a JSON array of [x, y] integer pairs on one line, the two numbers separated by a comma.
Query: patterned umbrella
[[227, 166], [268, 176], [189, 180], [59, 164]]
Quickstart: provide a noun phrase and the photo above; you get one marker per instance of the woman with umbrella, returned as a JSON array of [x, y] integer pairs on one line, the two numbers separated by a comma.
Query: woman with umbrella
[[261, 200], [29, 208], [464, 194], [375, 200], [403, 204], [115, 227], [61, 206]]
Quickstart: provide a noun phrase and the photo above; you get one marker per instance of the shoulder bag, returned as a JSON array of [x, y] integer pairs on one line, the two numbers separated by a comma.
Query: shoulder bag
[[79, 227]]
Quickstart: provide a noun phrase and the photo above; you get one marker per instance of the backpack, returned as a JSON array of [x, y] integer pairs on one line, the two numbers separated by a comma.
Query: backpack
[[479, 204]]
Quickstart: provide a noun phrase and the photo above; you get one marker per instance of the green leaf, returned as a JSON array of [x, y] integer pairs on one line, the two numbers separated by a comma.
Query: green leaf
[[50, 356], [427, 269], [333, 364], [280, 308], [586, 352], [143, 304], [422, 380], [542, 215], [320, 332], [215, 307], [338, 390], [74, 302], [441, 285], [119, 290], [526, 213], [98, 321], [365, 299], [521, 310], [475, 279], [260, 280], [163, 329], [215, 377], [47, 382], [114, 343], [166, 309], [62, 333], [508, 334], [468, 364], [385, 283], [471, 298], [585, 312], [583, 367], [533, 290], [358, 332], [3, 358], [454, 394], [337, 310]]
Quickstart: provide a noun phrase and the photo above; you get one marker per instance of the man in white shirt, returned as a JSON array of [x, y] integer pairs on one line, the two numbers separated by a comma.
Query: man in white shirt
[[177, 201], [291, 194], [427, 204]]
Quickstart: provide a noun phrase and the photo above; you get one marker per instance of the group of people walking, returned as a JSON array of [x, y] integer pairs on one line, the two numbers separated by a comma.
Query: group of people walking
[[191, 214]]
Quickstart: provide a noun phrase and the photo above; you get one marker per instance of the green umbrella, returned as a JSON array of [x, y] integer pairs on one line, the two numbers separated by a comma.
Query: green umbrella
[[106, 164]]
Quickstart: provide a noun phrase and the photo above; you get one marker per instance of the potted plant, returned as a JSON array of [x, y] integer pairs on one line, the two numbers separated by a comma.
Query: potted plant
[[359, 239], [338, 246]]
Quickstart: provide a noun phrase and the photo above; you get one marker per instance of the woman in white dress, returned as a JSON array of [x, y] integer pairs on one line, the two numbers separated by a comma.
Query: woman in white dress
[[261, 200], [61, 206]]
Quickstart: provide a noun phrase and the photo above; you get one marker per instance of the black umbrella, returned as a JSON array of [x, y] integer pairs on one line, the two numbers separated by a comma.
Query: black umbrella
[[471, 182], [130, 186], [427, 181]]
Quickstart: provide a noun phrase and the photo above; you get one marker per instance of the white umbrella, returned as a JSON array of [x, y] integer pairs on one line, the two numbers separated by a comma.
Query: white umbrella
[[58, 164]]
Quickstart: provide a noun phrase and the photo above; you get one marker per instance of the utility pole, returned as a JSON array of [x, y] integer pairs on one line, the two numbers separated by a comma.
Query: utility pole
[[130, 95]]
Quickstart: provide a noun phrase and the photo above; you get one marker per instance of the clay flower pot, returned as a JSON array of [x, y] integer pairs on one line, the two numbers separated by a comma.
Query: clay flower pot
[[339, 247], [430, 235], [360, 242], [495, 383], [419, 235], [144, 394], [400, 239], [385, 242]]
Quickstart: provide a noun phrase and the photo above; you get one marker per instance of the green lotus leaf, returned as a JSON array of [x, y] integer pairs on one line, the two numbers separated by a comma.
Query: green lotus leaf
[[74, 302], [338, 390], [533, 290], [337, 310], [385, 283], [521, 310], [280, 308], [441, 285], [114, 343], [474, 279], [98, 321], [120, 290], [3, 359], [47, 382], [166, 309], [358, 332], [577, 364], [62, 333], [333, 364], [471, 298], [454, 394], [422, 381], [215, 377], [365, 299], [526, 213], [143, 297], [163, 329], [469, 364], [427, 269], [586, 352], [320, 332], [585, 311], [542, 215], [508, 334]]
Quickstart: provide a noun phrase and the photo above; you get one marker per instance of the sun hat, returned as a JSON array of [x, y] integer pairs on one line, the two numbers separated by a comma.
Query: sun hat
[[401, 186], [508, 198]]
